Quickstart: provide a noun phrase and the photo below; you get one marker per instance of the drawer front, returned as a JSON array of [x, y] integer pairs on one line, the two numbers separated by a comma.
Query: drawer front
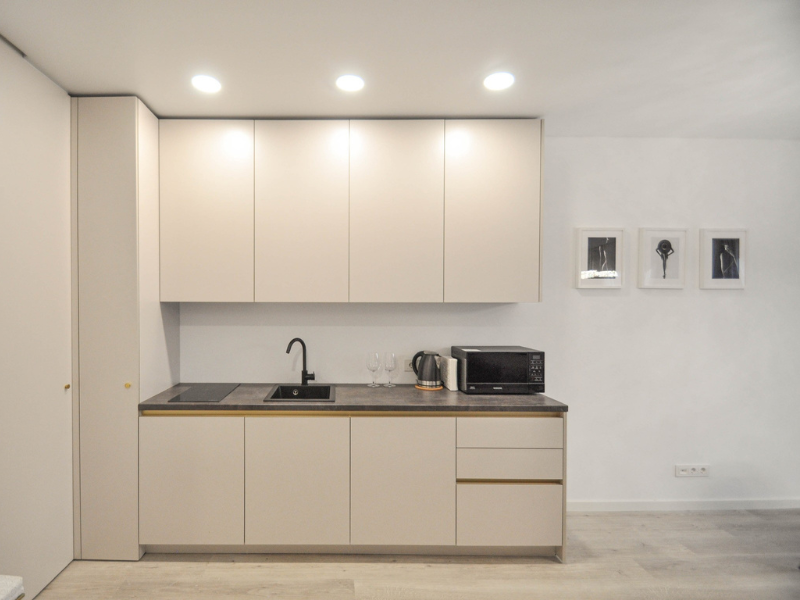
[[503, 463], [510, 432], [498, 514]]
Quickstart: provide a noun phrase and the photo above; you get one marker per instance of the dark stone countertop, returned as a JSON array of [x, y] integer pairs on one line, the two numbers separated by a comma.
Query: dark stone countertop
[[359, 398]]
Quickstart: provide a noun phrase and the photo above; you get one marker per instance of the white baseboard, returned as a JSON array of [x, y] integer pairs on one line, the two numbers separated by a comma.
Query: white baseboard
[[677, 505]]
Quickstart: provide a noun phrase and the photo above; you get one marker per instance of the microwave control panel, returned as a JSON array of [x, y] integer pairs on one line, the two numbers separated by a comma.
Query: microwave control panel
[[536, 368]]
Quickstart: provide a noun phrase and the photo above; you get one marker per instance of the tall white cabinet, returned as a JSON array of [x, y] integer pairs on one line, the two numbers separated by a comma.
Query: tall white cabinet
[[396, 210], [127, 340], [302, 186], [492, 210], [207, 220]]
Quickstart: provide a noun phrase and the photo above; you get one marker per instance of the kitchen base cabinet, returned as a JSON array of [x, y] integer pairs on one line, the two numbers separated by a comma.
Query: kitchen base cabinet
[[403, 473], [191, 480], [297, 480], [509, 514], [351, 483]]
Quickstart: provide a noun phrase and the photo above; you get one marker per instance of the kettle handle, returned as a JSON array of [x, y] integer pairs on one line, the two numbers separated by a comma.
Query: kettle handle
[[414, 361]]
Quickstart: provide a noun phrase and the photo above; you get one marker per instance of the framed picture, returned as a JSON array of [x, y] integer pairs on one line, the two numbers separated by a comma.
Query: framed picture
[[599, 260], [722, 258], [662, 258]]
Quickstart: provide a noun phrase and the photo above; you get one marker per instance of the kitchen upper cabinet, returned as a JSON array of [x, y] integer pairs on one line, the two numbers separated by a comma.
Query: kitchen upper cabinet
[[301, 211], [403, 481], [361, 211], [207, 211], [396, 210], [191, 480], [297, 480], [492, 210]]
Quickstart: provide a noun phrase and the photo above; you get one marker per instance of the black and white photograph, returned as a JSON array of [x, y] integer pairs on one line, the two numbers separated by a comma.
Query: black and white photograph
[[662, 258], [722, 258], [599, 258], [725, 258]]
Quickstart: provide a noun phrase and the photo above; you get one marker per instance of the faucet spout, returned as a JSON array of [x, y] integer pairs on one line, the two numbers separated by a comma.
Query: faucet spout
[[303, 344], [306, 376]]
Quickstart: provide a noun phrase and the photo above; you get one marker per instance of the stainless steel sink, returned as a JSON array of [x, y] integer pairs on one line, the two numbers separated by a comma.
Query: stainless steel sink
[[303, 393]]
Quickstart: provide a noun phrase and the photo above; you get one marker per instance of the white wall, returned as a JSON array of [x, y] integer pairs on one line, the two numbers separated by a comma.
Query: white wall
[[652, 377], [35, 363]]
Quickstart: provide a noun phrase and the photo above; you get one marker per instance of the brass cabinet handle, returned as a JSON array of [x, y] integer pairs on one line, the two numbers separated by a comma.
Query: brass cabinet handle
[[127, 386], [66, 387]]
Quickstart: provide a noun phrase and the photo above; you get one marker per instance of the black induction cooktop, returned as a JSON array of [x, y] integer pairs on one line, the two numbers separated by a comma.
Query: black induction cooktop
[[205, 392]]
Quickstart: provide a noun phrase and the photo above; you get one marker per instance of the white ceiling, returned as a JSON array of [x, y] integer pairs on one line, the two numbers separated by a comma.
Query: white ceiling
[[668, 68]]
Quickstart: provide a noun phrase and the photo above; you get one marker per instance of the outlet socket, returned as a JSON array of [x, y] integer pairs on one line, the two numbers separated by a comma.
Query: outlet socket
[[692, 471], [407, 365]]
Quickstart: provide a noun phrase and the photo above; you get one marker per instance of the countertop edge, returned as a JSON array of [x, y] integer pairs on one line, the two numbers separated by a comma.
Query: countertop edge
[[355, 399]]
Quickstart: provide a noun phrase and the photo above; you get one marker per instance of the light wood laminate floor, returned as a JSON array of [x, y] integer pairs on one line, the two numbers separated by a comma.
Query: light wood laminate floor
[[753, 555]]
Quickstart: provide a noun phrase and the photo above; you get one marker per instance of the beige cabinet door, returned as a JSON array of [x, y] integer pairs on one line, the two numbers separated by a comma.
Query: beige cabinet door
[[403, 477], [297, 480], [302, 211], [191, 480], [108, 311], [207, 222], [396, 210], [505, 514], [492, 210]]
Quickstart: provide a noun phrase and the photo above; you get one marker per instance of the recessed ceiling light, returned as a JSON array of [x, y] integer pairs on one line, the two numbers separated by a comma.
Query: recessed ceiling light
[[350, 83], [206, 84], [499, 81]]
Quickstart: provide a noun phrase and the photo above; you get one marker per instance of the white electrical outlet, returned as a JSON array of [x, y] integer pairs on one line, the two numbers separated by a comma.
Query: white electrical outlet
[[407, 365], [692, 471]]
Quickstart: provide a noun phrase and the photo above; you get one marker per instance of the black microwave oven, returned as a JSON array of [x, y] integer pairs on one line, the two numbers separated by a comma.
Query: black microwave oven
[[499, 369]]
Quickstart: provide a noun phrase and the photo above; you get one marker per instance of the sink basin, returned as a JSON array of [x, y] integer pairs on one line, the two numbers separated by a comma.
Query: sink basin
[[302, 393]]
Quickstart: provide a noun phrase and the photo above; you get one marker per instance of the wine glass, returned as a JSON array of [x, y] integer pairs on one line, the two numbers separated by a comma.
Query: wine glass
[[389, 364], [373, 364]]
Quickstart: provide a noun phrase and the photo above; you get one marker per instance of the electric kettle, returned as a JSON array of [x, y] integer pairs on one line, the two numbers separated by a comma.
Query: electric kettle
[[427, 371]]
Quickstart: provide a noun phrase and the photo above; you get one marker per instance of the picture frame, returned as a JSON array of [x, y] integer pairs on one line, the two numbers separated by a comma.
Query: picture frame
[[600, 258], [723, 259], [662, 258]]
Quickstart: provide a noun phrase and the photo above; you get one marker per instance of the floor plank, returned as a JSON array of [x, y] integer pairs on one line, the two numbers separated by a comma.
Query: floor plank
[[726, 555]]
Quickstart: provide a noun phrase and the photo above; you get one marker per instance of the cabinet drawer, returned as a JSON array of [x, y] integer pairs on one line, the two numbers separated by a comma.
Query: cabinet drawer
[[510, 432], [503, 463], [498, 514]]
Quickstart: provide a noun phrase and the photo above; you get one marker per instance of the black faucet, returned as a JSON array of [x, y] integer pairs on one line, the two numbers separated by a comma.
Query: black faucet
[[306, 375]]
